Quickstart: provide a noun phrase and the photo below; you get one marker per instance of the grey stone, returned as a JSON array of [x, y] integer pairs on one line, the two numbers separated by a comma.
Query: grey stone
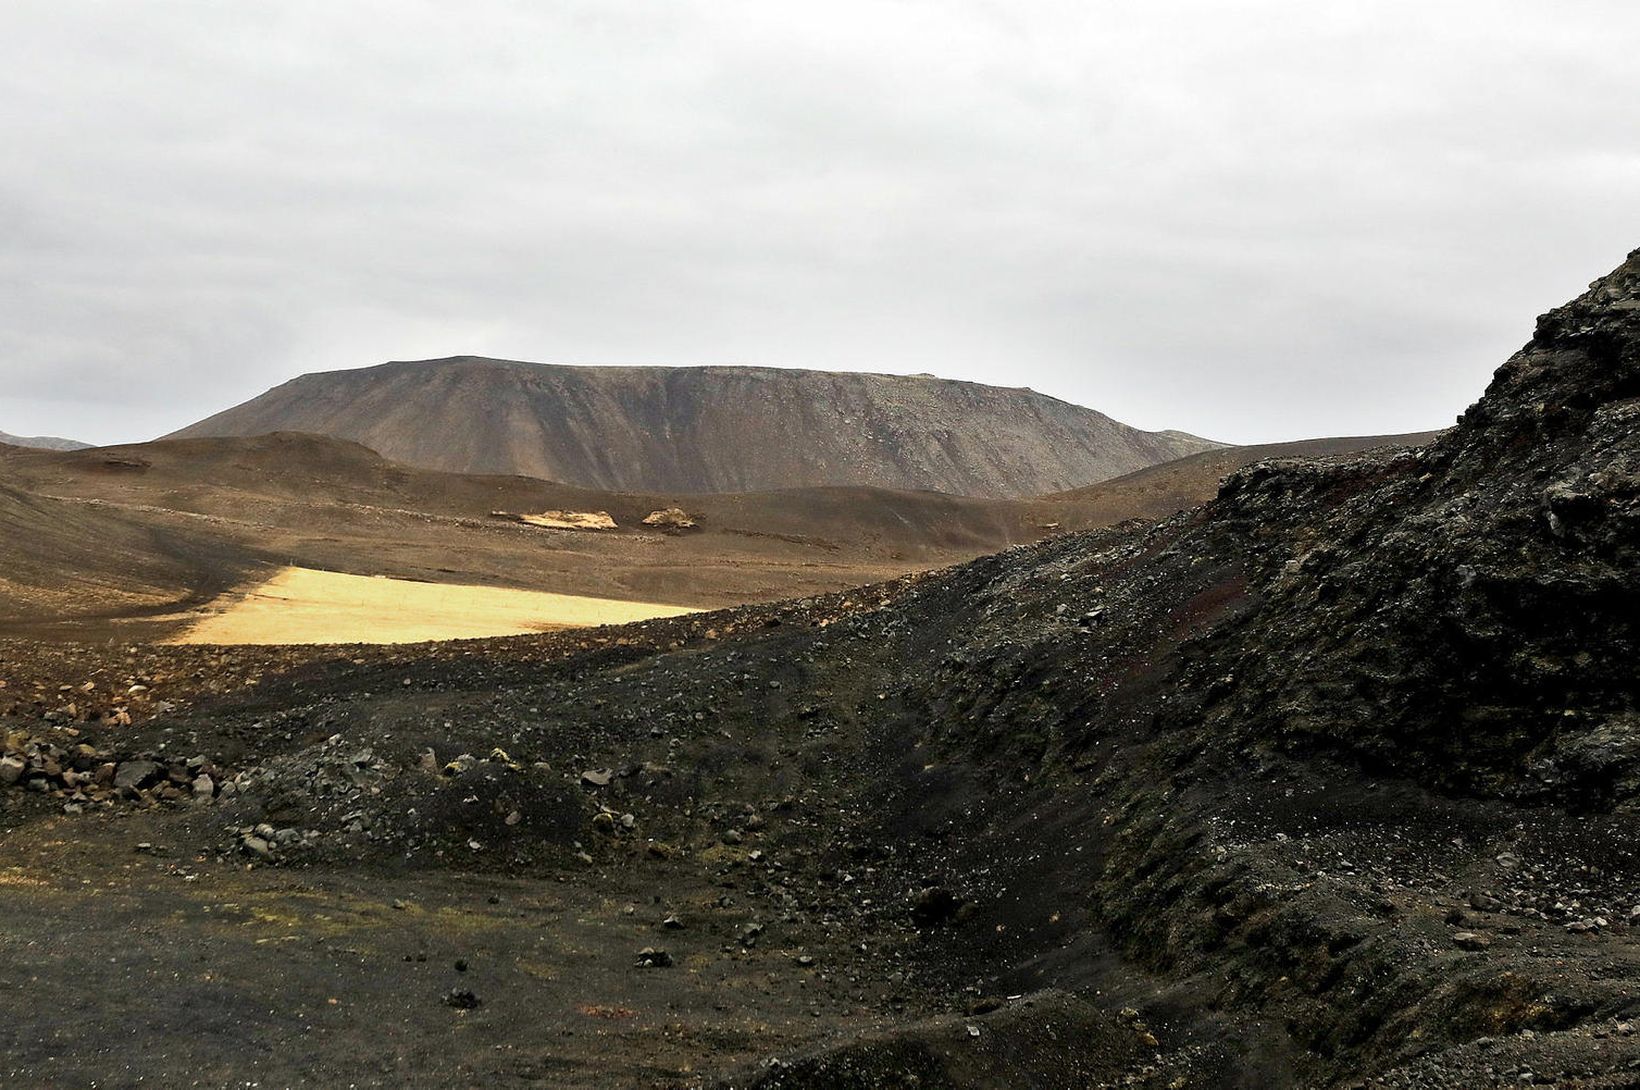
[[135, 774]]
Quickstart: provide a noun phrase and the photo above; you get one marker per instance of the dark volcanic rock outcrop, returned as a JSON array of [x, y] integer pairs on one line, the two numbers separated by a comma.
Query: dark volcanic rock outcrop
[[1352, 751], [1466, 614], [708, 429], [1338, 705]]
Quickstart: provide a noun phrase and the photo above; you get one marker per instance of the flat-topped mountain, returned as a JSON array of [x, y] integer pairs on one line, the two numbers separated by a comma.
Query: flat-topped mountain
[[41, 442], [708, 429]]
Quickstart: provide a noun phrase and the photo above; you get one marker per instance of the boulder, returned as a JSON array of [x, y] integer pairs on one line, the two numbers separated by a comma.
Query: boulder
[[671, 520], [136, 774]]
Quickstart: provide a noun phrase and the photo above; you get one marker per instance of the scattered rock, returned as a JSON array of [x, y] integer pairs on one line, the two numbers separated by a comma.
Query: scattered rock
[[652, 958], [935, 905]]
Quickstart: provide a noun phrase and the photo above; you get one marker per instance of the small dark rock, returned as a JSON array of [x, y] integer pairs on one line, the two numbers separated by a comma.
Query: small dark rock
[[462, 999], [651, 958], [934, 905]]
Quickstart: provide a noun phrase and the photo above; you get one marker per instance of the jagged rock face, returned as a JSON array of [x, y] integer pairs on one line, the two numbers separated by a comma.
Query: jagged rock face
[[1463, 613], [1425, 659], [1467, 614], [708, 429]]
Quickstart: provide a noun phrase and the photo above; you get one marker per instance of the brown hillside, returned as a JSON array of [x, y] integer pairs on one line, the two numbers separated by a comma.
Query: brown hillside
[[146, 532], [1160, 490]]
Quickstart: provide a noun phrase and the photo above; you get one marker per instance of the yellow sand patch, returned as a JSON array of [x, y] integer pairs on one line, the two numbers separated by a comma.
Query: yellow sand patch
[[571, 520], [563, 520], [300, 605]]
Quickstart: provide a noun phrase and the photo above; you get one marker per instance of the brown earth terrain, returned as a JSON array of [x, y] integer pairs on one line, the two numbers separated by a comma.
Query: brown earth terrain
[[708, 429], [1328, 782], [1161, 490], [135, 541]]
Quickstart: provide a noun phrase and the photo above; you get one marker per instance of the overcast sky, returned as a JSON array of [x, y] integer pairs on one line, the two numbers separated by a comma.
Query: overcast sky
[[1253, 221]]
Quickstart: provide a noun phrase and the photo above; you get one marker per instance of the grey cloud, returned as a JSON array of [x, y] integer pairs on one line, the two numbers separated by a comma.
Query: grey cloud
[[1253, 221]]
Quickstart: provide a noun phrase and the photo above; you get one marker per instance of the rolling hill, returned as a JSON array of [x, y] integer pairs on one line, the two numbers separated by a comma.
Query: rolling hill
[[708, 429], [127, 539], [1160, 490], [41, 442]]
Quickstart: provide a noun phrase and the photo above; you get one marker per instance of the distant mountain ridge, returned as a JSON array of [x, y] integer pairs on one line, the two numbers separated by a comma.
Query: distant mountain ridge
[[708, 429], [42, 442]]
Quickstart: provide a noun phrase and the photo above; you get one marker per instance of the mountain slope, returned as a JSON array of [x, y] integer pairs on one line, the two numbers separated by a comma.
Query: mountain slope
[[63, 562], [247, 476], [708, 429], [41, 442], [1161, 490]]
